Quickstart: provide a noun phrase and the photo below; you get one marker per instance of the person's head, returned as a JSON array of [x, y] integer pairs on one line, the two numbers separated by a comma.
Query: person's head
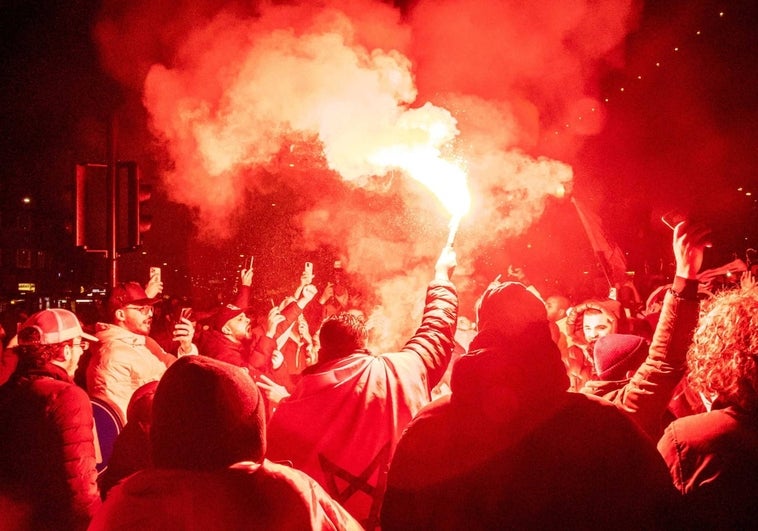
[[234, 323], [340, 335], [52, 336], [723, 356], [596, 324], [129, 307], [557, 307], [140, 408], [595, 318], [618, 356], [206, 415], [512, 360]]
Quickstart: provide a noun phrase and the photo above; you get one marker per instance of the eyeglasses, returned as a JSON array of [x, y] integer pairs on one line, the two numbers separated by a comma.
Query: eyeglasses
[[144, 310], [83, 344]]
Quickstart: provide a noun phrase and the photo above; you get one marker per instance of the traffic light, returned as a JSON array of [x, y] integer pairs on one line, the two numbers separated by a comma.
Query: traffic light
[[131, 219], [92, 200], [91, 207]]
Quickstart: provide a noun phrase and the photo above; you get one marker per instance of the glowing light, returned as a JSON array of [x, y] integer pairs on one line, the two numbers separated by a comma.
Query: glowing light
[[446, 180], [26, 200]]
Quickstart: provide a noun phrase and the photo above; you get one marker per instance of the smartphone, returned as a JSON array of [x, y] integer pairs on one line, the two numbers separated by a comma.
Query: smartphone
[[672, 218], [185, 313], [156, 273], [309, 267]]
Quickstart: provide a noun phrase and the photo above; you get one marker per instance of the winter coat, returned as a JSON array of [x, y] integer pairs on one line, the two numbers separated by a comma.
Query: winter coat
[[215, 344], [713, 460], [647, 393], [245, 496], [343, 420], [510, 448], [47, 453], [124, 362]]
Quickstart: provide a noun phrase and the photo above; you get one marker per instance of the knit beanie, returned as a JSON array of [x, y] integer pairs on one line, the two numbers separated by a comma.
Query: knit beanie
[[616, 354], [141, 403], [207, 415]]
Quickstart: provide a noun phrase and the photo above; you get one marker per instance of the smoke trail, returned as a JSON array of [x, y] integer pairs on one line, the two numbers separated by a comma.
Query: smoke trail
[[485, 83]]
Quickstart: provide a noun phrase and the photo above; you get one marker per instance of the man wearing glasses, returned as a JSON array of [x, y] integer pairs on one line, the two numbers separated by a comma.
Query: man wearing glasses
[[48, 478], [128, 358]]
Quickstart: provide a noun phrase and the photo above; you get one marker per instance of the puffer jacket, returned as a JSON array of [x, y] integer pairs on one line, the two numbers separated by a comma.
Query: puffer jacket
[[47, 453], [124, 362]]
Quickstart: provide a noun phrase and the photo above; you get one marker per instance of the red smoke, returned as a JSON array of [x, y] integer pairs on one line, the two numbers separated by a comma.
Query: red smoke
[[228, 89]]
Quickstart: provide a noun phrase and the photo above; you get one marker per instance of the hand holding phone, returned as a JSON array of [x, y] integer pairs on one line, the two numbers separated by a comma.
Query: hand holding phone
[[154, 285], [185, 313], [673, 218]]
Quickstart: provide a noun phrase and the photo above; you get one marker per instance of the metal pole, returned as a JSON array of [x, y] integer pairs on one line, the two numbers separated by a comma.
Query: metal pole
[[111, 187]]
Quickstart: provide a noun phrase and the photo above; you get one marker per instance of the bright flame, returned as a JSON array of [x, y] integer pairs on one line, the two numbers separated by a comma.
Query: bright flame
[[447, 181]]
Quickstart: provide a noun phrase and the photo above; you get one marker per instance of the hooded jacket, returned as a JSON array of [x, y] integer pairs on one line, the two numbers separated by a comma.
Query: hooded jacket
[[208, 442], [578, 357], [512, 449], [648, 392]]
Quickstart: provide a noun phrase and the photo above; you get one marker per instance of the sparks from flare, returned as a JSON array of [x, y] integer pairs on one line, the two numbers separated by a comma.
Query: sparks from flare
[[445, 179]]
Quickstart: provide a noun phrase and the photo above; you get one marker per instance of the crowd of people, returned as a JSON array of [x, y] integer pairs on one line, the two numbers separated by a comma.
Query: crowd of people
[[539, 413]]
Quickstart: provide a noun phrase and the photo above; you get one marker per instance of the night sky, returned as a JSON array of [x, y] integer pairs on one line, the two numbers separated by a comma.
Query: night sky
[[678, 95]]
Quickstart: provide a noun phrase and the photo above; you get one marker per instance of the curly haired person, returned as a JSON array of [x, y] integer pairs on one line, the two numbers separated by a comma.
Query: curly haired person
[[713, 456]]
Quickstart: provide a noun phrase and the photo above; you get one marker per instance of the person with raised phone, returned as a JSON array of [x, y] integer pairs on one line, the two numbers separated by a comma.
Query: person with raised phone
[[128, 357], [639, 377]]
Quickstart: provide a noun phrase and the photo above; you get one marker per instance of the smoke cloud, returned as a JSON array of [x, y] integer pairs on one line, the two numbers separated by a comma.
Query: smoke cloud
[[374, 94]]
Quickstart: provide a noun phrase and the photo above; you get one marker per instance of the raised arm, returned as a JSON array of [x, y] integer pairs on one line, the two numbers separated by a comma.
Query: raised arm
[[650, 389], [434, 340]]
